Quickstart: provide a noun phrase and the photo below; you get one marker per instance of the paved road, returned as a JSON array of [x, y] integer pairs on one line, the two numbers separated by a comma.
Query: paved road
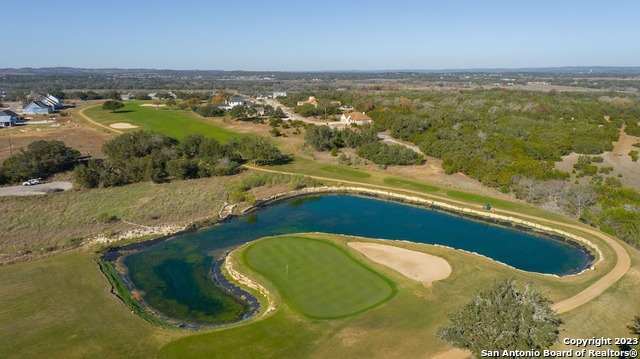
[[44, 188], [387, 138], [289, 112]]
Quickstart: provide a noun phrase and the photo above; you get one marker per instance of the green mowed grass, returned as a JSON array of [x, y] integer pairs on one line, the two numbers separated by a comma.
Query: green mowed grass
[[317, 278], [415, 186], [472, 197], [344, 172], [174, 123], [62, 307], [403, 327]]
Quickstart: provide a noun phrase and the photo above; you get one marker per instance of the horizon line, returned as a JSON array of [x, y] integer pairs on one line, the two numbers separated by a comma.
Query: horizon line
[[461, 69]]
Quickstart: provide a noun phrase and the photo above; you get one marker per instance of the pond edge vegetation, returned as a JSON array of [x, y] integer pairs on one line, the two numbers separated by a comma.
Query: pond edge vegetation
[[121, 285]]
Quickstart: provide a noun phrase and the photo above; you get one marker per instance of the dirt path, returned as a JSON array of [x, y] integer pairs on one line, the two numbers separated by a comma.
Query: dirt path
[[88, 119], [623, 262]]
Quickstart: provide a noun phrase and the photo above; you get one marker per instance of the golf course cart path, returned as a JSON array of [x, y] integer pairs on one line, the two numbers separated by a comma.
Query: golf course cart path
[[421, 267], [88, 119], [623, 261]]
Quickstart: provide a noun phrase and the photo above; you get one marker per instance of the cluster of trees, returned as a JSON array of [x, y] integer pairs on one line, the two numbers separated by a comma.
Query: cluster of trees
[[510, 317], [324, 138], [209, 110], [385, 155], [495, 136], [149, 156], [511, 140], [365, 138], [41, 159], [112, 105], [503, 317], [607, 205]]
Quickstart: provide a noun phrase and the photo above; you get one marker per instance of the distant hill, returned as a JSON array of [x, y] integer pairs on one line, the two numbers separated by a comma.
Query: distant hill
[[72, 71]]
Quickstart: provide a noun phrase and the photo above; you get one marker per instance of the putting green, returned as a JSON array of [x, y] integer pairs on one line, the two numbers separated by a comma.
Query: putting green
[[174, 123], [317, 278]]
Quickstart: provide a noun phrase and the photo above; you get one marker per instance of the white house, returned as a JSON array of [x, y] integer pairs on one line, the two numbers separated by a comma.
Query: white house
[[358, 118], [236, 101], [279, 94]]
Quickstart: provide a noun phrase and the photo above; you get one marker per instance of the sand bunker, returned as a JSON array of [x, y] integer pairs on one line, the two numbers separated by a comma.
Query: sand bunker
[[152, 105], [418, 266], [122, 125]]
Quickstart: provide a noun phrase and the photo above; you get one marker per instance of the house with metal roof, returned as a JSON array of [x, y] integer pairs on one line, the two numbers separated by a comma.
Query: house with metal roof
[[52, 101], [37, 107], [8, 118]]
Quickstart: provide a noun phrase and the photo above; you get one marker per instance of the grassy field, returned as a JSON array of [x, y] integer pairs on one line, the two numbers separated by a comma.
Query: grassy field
[[316, 278], [340, 172], [400, 183], [174, 123], [59, 220], [64, 304], [61, 307], [402, 327]]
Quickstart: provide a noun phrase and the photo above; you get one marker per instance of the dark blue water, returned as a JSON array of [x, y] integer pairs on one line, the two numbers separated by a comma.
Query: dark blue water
[[174, 275]]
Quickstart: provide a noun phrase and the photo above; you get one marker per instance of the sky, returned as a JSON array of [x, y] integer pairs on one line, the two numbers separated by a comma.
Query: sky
[[287, 35]]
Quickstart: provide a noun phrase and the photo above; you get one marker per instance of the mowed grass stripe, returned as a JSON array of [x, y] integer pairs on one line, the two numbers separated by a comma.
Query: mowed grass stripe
[[174, 123], [344, 173], [400, 183], [317, 278]]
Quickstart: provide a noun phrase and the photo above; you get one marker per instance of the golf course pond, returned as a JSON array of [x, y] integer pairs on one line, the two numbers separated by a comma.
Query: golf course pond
[[176, 279]]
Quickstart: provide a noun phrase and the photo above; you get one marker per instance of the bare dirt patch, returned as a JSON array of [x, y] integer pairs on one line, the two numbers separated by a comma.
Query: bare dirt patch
[[421, 267], [619, 159], [122, 125], [86, 139], [152, 105]]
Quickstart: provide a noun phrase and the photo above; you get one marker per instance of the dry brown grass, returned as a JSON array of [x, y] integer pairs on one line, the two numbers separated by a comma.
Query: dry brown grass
[[45, 223], [76, 135]]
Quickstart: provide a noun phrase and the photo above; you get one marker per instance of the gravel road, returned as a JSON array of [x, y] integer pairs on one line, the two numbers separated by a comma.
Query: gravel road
[[44, 188]]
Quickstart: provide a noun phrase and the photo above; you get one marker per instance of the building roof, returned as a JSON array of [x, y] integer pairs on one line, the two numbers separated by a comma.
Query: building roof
[[53, 98], [357, 116], [38, 104], [8, 113]]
